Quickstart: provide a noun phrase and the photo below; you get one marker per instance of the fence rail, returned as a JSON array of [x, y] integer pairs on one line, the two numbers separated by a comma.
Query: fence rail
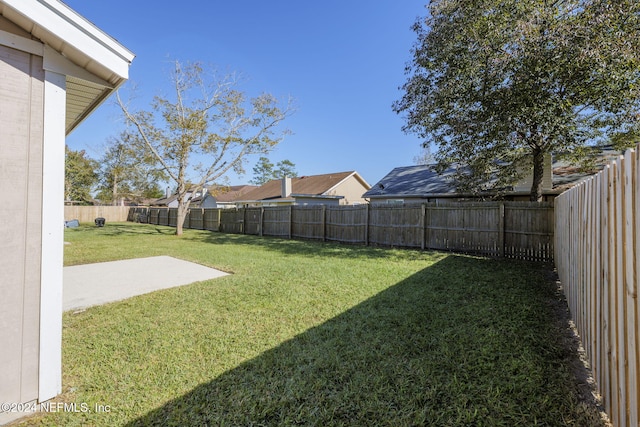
[[90, 213], [499, 229], [597, 236]]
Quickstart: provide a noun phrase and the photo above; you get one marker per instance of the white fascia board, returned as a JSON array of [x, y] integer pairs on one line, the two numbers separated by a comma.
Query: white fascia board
[[354, 174], [361, 179], [55, 62], [315, 196], [62, 22]]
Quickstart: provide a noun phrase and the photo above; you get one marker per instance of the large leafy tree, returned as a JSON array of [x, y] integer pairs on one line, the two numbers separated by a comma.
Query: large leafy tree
[[80, 176], [205, 129], [495, 84], [127, 171], [265, 171]]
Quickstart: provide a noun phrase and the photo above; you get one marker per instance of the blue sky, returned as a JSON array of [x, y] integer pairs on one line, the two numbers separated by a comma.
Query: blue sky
[[341, 60]]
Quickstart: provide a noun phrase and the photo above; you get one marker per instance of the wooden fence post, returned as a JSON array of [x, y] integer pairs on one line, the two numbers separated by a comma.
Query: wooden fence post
[[501, 225], [290, 221], [244, 220], [261, 225], [423, 215], [366, 225], [324, 223]]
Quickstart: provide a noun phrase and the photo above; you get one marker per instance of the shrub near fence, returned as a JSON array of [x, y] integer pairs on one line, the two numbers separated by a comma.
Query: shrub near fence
[[597, 257], [513, 229]]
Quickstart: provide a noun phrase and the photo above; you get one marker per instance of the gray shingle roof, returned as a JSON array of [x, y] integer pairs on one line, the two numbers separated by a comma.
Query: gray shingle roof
[[417, 180], [423, 181], [307, 185]]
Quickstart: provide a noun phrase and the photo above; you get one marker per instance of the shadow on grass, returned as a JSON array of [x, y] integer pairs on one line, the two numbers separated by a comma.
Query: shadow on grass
[[123, 228], [285, 246], [463, 342], [300, 247]]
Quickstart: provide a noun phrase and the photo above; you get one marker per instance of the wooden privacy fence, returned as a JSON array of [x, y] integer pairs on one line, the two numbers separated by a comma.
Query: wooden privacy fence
[[518, 230], [597, 237], [90, 213]]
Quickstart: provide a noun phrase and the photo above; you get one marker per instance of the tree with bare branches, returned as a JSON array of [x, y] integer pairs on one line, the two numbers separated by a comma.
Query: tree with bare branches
[[206, 129]]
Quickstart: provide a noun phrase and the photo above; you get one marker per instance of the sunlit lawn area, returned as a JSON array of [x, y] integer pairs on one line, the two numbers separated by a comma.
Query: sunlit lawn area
[[306, 333]]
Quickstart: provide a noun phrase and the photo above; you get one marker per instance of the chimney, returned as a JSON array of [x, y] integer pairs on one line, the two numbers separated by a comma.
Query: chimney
[[286, 186], [168, 193]]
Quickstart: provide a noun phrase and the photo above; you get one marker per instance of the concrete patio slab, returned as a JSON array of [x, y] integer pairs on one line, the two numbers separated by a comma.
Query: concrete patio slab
[[94, 284]]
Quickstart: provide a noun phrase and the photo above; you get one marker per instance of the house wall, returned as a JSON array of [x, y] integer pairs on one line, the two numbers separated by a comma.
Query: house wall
[[351, 189], [312, 201], [21, 175], [547, 177], [10, 27], [209, 202]]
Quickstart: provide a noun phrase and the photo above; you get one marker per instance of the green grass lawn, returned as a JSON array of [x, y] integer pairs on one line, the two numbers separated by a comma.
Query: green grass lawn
[[305, 333]]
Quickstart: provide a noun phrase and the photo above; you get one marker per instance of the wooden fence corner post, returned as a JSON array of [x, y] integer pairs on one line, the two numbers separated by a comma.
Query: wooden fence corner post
[[501, 226]]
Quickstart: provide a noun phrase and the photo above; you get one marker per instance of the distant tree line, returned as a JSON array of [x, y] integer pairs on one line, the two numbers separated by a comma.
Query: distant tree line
[[121, 174]]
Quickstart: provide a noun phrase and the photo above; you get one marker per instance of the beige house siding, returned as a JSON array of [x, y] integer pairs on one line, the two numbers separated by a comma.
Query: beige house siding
[[313, 201], [351, 188], [10, 27], [547, 177], [21, 138]]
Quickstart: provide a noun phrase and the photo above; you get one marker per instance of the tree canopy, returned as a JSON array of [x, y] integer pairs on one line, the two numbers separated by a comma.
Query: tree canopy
[[80, 176], [206, 128], [128, 172], [496, 84], [265, 171]]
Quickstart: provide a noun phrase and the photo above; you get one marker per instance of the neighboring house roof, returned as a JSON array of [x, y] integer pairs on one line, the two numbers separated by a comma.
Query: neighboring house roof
[[95, 64], [414, 181], [313, 185], [420, 181], [165, 201], [231, 193], [221, 194], [567, 175]]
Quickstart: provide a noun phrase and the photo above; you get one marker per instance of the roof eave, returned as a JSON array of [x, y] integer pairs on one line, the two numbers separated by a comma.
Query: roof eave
[[78, 41], [317, 196], [354, 174], [452, 195]]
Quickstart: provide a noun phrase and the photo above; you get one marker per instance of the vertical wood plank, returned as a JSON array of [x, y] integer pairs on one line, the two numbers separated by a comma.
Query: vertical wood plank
[[367, 222], [501, 225], [423, 215], [613, 270], [606, 386], [630, 289]]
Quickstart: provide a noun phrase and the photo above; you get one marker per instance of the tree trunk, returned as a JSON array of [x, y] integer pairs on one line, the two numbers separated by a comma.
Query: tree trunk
[[538, 175], [182, 214], [114, 190]]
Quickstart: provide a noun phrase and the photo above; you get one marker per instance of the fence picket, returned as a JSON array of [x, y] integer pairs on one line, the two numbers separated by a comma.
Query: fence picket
[[596, 239], [499, 229]]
